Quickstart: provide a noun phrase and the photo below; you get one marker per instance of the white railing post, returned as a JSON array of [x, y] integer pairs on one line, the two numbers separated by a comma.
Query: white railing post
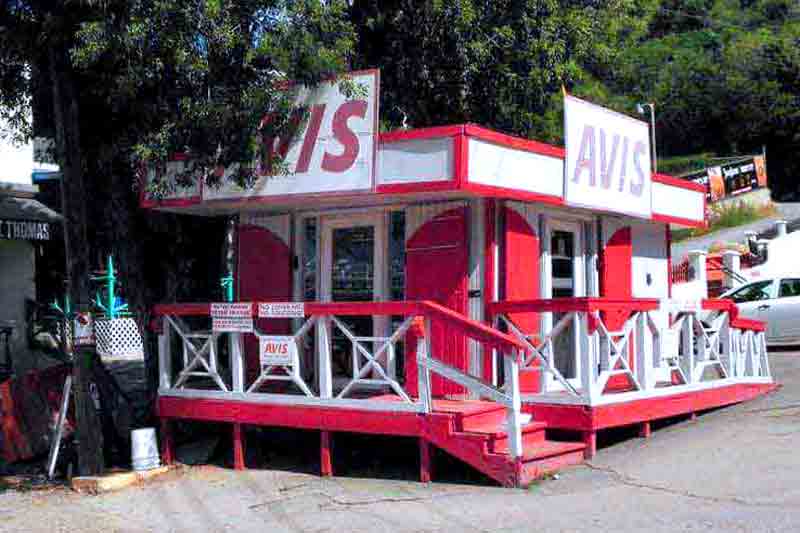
[[697, 260], [324, 363], [644, 357], [165, 355], [237, 361], [424, 347], [687, 348], [725, 357], [765, 354], [513, 413], [732, 262], [588, 366]]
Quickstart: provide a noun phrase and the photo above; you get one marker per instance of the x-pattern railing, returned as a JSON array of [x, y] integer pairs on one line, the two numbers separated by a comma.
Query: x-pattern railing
[[199, 350], [291, 372], [614, 352]]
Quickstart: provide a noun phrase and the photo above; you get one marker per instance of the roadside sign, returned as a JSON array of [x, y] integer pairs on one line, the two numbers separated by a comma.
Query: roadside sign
[[232, 317]]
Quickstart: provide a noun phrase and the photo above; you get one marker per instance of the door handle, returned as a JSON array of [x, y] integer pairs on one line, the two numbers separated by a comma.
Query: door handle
[[763, 307]]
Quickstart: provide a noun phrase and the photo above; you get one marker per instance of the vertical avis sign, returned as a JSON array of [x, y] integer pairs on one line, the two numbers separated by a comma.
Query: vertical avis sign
[[608, 160], [332, 150]]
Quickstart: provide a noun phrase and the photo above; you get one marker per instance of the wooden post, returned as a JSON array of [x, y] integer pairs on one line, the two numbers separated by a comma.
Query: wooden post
[[513, 419], [164, 355], [324, 358], [325, 463], [238, 447], [645, 431], [89, 436], [237, 362], [424, 347], [590, 439], [167, 444], [425, 463]]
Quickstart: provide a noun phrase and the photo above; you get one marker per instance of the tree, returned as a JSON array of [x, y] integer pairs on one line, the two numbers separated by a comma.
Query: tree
[[117, 83]]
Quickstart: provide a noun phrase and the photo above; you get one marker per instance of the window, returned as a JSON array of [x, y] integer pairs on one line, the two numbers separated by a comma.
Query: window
[[789, 287], [753, 292]]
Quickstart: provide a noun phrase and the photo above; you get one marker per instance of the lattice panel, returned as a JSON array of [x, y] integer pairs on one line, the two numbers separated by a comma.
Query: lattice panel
[[118, 339]]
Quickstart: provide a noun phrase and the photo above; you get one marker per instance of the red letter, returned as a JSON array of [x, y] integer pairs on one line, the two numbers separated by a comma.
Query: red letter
[[586, 156], [345, 136], [310, 140]]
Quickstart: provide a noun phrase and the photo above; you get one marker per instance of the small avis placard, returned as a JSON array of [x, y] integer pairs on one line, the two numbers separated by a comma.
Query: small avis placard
[[281, 310], [232, 317], [277, 350]]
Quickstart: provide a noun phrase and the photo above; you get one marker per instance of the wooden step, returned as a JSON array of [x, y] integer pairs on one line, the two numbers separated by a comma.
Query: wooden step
[[546, 460]]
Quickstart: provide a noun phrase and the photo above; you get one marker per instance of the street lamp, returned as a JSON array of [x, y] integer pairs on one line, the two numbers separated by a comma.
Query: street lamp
[[641, 109]]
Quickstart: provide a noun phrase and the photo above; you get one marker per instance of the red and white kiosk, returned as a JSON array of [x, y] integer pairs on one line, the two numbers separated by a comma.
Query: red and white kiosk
[[454, 284]]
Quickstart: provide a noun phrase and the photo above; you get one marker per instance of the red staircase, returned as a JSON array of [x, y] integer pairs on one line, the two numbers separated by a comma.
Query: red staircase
[[474, 431]]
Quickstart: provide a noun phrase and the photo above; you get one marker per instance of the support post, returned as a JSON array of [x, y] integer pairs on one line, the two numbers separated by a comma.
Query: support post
[[238, 447], [167, 444], [687, 348], [732, 262], [644, 356], [324, 361], [645, 431], [513, 418], [325, 463], [590, 439], [424, 347], [697, 260], [586, 359], [237, 361], [425, 463], [164, 355]]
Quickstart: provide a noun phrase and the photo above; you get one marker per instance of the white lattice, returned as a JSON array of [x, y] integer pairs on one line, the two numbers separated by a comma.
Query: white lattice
[[118, 339]]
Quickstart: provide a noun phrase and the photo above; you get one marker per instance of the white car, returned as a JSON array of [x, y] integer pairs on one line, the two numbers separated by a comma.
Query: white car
[[775, 301]]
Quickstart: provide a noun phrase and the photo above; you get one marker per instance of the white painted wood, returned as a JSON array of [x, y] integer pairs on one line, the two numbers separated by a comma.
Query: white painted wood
[[644, 356], [678, 202], [236, 351], [424, 350], [165, 355], [513, 411], [324, 365], [477, 386], [414, 161], [500, 166]]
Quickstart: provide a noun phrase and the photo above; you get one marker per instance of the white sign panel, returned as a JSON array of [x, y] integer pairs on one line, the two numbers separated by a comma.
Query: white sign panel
[[335, 151], [233, 317], [281, 310], [83, 330], [608, 160], [681, 305], [277, 351]]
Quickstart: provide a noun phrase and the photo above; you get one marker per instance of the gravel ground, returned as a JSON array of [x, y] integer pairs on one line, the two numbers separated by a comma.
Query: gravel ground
[[735, 469]]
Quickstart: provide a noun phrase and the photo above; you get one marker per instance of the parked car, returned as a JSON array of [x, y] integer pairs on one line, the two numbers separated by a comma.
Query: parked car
[[775, 301]]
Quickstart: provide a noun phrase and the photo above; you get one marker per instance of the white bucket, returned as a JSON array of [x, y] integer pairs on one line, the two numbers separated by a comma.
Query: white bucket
[[144, 449]]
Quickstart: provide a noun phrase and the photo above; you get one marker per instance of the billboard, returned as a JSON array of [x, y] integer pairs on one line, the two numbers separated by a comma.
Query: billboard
[[733, 178], [608, 160]]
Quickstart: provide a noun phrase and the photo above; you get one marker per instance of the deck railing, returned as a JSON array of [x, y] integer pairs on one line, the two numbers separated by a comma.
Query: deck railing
[[197, 361], [618, 350]]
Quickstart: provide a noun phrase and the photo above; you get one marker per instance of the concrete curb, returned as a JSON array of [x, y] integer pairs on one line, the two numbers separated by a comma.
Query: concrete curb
[[116, 480]]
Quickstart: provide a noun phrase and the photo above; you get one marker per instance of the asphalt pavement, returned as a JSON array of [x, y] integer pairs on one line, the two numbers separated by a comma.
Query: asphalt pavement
[[734, 469]]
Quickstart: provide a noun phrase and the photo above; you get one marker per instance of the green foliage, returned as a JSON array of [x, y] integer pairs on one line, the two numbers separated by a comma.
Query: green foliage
[[685, 164]]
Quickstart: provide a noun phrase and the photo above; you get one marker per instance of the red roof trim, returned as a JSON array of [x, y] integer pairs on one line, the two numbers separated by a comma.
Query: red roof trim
[[669, 219], [666, 179], [421, 133]]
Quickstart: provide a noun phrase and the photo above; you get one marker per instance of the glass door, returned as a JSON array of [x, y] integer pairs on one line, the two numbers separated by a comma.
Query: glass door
[[353, 270], [568, 280]]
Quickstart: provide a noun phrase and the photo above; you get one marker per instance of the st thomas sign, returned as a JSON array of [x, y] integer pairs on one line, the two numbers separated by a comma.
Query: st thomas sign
[[24, 230]]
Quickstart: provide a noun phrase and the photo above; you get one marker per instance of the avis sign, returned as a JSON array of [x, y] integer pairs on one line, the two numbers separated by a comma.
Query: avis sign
[[277, 350], [608, 160], [333, 152]]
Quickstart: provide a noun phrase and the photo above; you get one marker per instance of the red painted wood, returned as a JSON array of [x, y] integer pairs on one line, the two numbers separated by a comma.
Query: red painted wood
[[489, 289], [645, 431], [581, 304], [668, 232], [490, 191], [590, 440], [425, 467], [460, 159], [436, 269], [265, 274], [421, 133], [521, 274], [325, 461], [672, 181], [238, 447], [517, 143], [688, 222], [167, 444], [302, 417]]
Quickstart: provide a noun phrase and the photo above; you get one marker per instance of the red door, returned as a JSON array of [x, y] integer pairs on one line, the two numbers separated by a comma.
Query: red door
[[436, 269], [265, 275], [616, 282], [521, 271]]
